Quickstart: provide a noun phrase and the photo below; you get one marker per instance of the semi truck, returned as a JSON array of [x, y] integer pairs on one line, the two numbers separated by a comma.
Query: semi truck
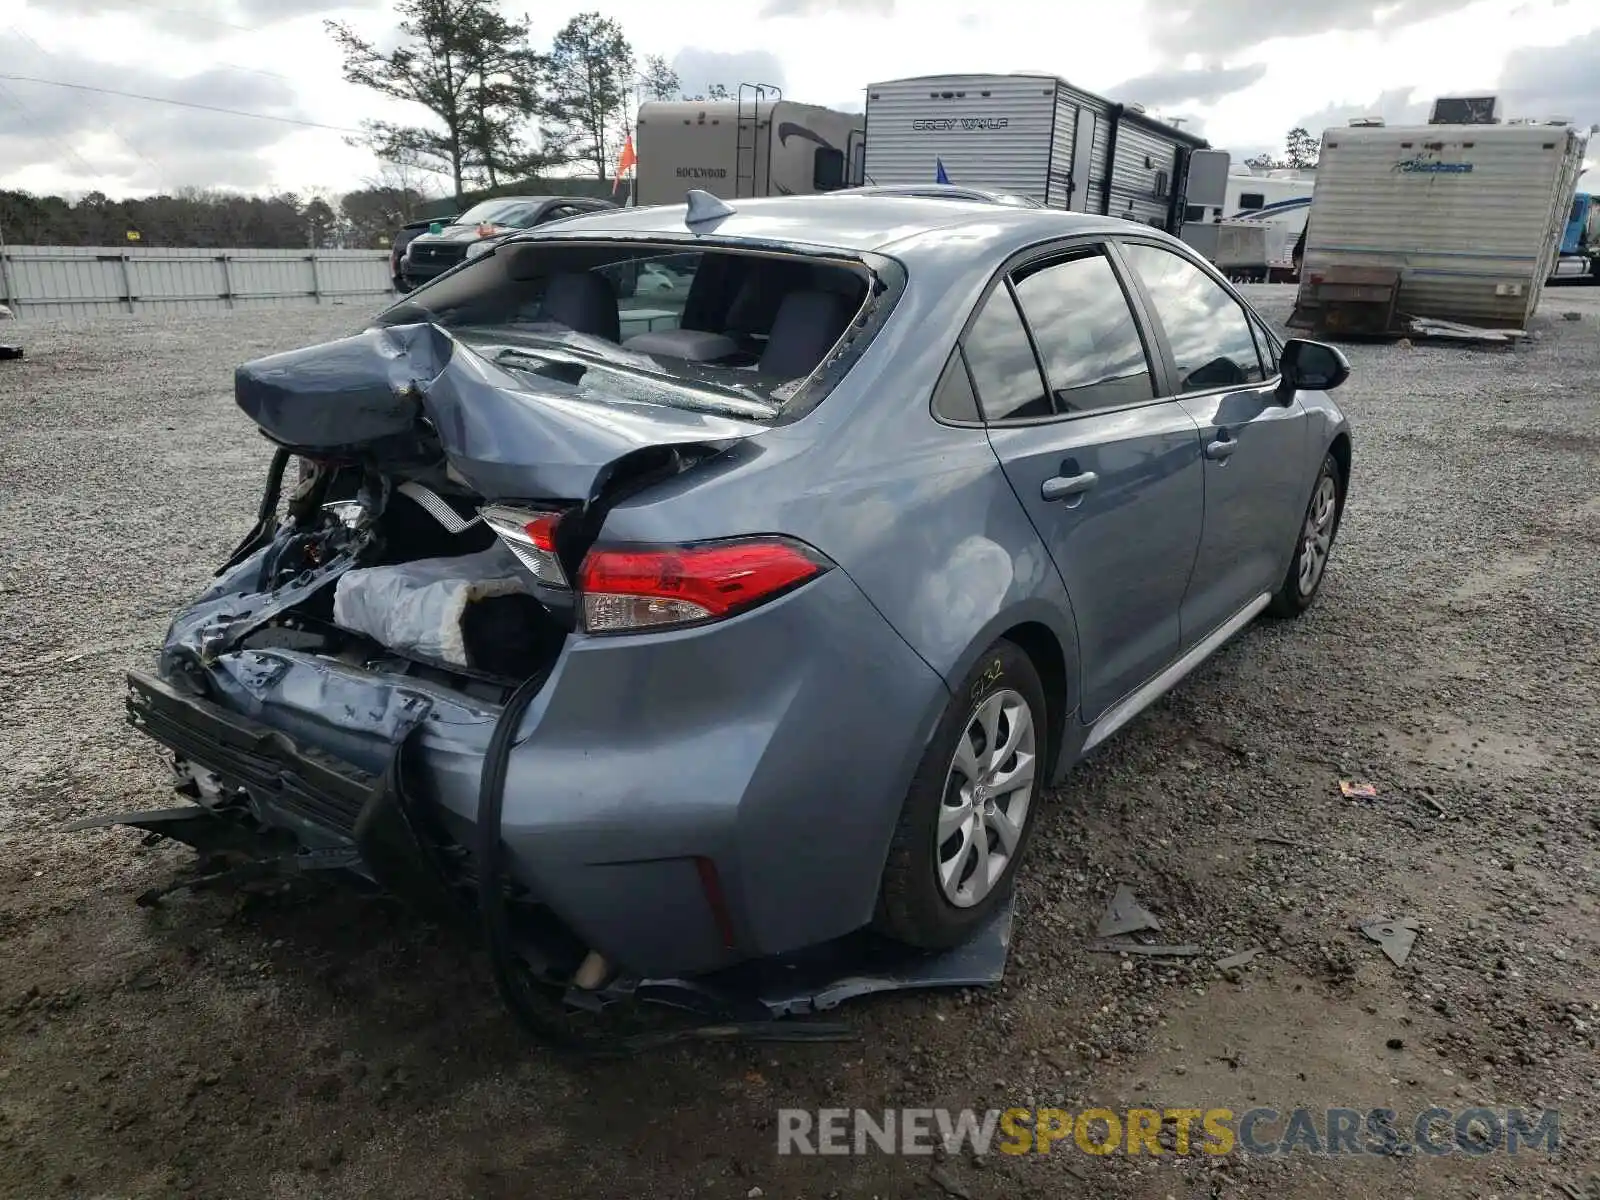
[[1580, 241]]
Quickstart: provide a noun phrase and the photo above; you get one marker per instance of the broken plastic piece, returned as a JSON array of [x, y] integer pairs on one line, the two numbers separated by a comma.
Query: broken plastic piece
[[1155, 951], [822, 977], [1435, 805], [1364, 790], [1242, 959], [1395, 938], [1125, 915]]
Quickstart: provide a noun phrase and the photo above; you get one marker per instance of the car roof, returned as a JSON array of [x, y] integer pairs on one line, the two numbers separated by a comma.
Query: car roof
[[537, 200], [932, 191], [856, 224]]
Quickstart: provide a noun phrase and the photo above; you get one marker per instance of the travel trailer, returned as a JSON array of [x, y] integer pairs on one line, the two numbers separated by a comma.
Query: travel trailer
[[1278, 199], [757, 144], [1459, 220], [1035, 136]]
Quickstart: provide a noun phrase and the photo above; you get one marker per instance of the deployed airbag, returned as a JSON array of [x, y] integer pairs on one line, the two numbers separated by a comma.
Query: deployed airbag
[[445, 610]]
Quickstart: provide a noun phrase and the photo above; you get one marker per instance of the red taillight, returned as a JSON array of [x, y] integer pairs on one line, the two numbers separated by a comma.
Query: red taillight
[[650, 587], [541, 531], [531, 536]]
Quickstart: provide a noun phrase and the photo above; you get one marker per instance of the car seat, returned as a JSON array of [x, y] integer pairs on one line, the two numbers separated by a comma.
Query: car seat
[[806, 327], [584, 303]]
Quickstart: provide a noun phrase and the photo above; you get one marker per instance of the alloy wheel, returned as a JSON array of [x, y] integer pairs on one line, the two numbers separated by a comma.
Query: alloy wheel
[[1316, 537], [988, 791]]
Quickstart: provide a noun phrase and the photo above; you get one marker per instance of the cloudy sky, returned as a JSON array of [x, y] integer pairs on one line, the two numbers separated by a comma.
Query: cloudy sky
[[1242, 71]]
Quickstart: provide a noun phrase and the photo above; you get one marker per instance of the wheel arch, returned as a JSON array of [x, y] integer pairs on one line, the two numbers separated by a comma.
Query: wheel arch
[[1043, 648], [1341, 450]]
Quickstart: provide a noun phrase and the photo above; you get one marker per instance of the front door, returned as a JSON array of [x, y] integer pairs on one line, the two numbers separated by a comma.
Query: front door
[[1253, 442], [1110, 476]]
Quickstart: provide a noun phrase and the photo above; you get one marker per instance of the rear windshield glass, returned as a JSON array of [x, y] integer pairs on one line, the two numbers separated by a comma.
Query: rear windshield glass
[[516, 213], [710, 328]]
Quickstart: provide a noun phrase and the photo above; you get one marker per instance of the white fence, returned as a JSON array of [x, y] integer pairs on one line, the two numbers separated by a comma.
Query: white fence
[[89, 281]]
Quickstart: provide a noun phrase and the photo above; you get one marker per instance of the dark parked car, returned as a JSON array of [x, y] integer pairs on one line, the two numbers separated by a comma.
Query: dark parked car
[[732, 637], [431, 254], [403, 237]]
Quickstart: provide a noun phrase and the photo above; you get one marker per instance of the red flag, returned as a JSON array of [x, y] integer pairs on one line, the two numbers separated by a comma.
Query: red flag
[[625, 160]]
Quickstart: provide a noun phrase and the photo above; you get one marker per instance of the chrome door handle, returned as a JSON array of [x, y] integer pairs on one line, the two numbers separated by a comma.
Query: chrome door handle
[[1218, 449], [1059, 487]]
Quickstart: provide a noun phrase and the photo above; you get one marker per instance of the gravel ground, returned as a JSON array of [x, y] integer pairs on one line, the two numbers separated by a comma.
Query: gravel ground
[[319, 1043]]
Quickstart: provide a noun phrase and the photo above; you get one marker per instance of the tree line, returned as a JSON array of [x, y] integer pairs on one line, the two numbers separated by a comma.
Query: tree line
[[499, 107], [1300, 151], [362, 219], [499, 111]]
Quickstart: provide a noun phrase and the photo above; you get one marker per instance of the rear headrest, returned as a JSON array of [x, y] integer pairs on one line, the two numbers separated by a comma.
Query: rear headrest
[[805, 329], [584, 303], [760, 292]]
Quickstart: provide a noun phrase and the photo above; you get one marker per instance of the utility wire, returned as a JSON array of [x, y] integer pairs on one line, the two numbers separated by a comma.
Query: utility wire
[[105, 116], [232, 112], [16, 102]]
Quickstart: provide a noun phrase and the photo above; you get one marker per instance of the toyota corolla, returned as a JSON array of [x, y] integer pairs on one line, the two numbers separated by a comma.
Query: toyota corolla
[[670, 633]]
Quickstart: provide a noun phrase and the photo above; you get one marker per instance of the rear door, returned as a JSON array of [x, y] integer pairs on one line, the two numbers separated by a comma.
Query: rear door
[[1109, 474], [1256, 484]]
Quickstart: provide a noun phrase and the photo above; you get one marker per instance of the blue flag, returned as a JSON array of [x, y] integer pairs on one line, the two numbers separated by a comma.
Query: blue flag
[[939, 172]]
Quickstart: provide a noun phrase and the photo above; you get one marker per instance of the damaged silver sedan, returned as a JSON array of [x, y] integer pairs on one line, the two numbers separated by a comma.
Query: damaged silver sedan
[[665, 637]]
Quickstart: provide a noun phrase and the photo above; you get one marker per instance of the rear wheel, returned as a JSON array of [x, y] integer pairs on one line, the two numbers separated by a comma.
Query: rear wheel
[[1315, 544], [969, 812]]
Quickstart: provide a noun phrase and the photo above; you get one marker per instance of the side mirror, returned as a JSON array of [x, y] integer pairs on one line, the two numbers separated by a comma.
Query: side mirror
[[1312, 366]]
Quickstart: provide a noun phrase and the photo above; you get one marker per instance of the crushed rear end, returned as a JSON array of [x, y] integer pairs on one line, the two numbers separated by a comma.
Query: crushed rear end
[[440, 623]]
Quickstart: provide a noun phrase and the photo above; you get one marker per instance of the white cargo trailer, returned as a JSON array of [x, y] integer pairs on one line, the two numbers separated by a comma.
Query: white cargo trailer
[[1032, 135], [1277, 199], [1462, 221], [757, 144]]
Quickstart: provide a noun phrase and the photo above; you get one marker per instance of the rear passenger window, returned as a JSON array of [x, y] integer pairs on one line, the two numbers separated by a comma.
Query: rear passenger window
[[1086, 334], [954, 399], [1209, 334], [1000, 357]]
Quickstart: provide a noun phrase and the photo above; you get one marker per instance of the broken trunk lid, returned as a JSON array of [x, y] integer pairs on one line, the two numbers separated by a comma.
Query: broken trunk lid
[[382, 394]]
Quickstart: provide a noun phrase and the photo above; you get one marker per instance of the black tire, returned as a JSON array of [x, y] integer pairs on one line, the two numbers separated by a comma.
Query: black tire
[[912, 905], [1293, 597]]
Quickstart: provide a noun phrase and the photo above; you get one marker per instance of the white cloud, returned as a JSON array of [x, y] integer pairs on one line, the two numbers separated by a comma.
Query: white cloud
[[1242, 71]]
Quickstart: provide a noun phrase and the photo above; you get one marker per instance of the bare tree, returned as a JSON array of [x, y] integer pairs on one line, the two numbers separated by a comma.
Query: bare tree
[[589, 76], [404, 179], [1301, 149], [658, 81], [372, 214], [464, 63]]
